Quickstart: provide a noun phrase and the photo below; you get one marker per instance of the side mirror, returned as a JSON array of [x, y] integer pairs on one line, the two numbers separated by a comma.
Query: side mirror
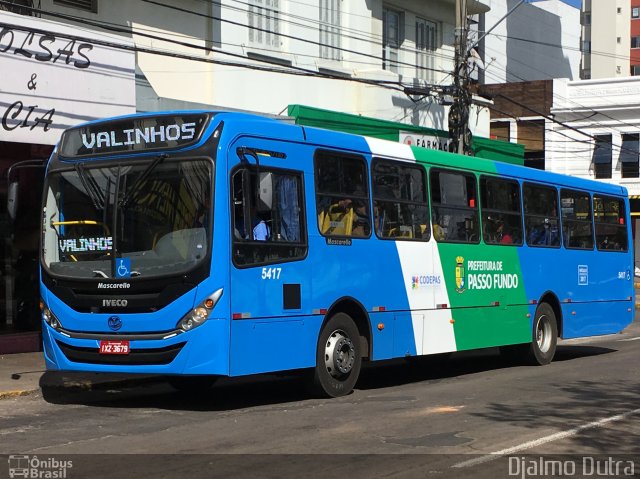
[[12, 200]]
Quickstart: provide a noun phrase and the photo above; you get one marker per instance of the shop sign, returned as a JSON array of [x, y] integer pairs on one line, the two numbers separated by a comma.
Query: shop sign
[[56, 76], [425, 141]]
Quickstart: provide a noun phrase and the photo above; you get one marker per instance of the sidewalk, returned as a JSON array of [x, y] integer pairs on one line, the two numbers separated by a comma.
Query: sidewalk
[[20, 374]]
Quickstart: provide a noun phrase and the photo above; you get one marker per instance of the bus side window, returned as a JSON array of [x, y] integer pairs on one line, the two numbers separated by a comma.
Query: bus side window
[[342, 195], [454, 206], [267, 222], [577, 221], [501, 216], [400, 201], [541, 215], [610, 222]]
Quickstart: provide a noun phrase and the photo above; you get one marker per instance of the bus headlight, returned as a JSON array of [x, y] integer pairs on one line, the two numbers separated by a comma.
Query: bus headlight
[[200, 313], [49, 317]]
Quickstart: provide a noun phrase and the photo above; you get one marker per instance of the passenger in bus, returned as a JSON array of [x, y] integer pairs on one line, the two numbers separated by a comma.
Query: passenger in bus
[[502, 235], [260, 230], [544, 234]]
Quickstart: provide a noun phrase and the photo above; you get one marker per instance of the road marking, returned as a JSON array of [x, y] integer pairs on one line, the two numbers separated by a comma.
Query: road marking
[[492, 456], [630, 339]]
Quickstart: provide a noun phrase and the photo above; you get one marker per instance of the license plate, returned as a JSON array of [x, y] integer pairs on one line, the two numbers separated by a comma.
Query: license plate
[[114, 347]]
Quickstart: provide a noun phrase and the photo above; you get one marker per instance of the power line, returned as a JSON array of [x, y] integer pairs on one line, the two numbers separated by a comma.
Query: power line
[[289, 70]]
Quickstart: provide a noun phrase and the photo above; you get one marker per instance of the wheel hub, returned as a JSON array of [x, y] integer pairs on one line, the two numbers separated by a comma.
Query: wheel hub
[[340, 354], [543, 334]]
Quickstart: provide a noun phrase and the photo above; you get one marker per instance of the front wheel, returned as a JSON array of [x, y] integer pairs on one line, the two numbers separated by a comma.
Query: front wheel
[[338, 357], [545, 336]]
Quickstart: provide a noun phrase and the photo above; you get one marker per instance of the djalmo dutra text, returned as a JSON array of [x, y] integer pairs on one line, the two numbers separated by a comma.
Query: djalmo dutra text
[[586, 466], [489, 275]]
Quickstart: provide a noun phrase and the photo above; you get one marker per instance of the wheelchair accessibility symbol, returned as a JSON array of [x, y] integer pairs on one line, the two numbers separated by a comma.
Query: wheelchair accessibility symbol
[[123, 268]]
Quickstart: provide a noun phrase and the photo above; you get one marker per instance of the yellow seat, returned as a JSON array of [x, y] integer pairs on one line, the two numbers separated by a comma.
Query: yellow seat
[[336, 221]]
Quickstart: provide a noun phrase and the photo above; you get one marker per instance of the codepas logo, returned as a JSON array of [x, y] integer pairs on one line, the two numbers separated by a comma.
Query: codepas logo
[[424, 280]]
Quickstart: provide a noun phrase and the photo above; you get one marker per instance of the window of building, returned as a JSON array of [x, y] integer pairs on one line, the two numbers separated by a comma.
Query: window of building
[[454, 208], [541, 221], [267, 219], [392, 37], [86, 5], [400, 201], [342, 195], [629, 155], [635, 42], [264, 23], [501, 215], [586, 46], [635, 12], [635, 70], [426, 46], [609, 218], [330, 29], [619, 10], [577, 224], [619, 40], [602, 156]]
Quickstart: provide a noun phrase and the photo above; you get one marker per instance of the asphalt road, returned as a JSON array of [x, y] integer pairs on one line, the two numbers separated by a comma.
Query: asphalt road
[[469, 415]]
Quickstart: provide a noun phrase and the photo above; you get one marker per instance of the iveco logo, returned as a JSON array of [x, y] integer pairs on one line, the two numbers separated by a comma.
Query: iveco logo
[[114, 323], [115, 302]]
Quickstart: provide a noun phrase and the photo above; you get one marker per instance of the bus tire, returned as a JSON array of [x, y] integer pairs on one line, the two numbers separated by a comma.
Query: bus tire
[[338, 358], [544, 336], [191, 384]]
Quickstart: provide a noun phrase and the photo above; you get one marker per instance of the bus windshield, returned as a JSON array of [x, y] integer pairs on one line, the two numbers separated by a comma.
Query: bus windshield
[[144, 219]]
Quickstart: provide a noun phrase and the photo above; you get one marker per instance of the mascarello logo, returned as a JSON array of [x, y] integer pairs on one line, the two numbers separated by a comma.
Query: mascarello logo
[[460, 276]]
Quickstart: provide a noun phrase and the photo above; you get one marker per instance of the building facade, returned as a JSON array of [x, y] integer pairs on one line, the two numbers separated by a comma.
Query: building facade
[[634, 55], [596, 134], [530, 41], [59, 76], [606, 39]]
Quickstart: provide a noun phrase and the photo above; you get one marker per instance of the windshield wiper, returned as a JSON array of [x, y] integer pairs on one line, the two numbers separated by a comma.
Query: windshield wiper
[[91, 187], [135, 188]]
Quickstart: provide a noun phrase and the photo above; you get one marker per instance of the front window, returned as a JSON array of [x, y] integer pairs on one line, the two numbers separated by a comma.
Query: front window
[[147, 219]]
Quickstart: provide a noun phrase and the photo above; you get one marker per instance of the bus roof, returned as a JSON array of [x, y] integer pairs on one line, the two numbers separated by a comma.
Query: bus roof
[[254, 124]]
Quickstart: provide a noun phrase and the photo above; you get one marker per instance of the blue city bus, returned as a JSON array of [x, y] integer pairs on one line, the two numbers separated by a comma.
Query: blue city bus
[[197, 244]]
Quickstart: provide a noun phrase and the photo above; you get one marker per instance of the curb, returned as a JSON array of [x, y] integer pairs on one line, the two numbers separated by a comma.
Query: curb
[[85, 386]]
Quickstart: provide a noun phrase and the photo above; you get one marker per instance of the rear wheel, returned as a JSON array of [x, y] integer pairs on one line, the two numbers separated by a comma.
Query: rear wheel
[[545, 336], [338, 357]]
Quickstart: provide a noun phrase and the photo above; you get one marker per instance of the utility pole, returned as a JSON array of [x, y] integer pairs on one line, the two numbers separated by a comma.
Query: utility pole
[[459, 111]]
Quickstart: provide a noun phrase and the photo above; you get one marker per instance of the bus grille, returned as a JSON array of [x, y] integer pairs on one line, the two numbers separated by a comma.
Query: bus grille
[[137, 357]]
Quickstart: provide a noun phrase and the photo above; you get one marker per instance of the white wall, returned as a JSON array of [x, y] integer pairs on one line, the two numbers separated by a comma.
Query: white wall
[[606, 106], [551, 29]]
